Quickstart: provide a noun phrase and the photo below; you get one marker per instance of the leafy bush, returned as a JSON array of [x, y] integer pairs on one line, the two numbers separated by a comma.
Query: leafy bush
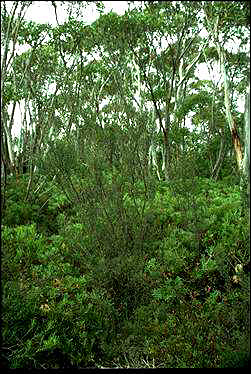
[[21, 247], [48, 307], [171, 291]]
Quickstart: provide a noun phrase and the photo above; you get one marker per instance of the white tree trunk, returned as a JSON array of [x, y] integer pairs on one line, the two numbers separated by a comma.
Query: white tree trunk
[[15, 18], [246, 159], [230, 119], [245, 181], [213, 29]]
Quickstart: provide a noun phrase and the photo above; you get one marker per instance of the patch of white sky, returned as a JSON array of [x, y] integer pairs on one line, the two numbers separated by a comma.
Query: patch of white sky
[[43, 12]]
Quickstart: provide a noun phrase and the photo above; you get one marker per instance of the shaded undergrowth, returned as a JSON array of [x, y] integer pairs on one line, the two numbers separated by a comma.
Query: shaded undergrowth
[[167, 288]]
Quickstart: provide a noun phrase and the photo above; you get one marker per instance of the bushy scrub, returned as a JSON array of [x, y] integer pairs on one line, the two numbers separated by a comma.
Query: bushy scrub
[[49, 309], [21, 247], [18, 211], [43, 208], [164, 288], [61, 316], [122, 276], [179, 329], [176, 251]]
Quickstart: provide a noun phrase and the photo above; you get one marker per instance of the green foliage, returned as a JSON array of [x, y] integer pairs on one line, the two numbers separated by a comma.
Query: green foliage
[[177, 302], [171, 291], [20, 246], [48, 306], [103, 265], [17, 211], [45, 209]]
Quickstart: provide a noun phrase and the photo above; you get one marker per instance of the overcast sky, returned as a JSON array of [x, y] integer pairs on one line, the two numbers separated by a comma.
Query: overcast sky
[[43, 11]]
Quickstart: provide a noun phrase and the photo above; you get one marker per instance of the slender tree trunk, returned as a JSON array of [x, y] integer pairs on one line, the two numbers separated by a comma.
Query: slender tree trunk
[[246, 160], [245, 175], [219, 161], [167, 147], [15, 18], [3, 182], [213, 27], [7, 134], [230, 118]]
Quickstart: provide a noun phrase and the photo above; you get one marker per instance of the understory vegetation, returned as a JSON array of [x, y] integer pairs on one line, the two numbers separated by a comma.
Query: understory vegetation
[[165, 288]]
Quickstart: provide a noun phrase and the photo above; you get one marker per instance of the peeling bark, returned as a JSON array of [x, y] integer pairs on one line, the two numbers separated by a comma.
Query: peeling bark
[[237, 144], [230, 119], [213, 29]]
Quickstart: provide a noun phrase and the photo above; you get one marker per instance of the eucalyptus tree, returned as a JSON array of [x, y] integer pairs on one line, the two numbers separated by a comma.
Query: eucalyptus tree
[[34, 87], [10, 30], [11, 27], [222, 22], [246, 160], [109, 134], [39, 77], [25, 83], [228, 21], [109, 80], [161, 55]]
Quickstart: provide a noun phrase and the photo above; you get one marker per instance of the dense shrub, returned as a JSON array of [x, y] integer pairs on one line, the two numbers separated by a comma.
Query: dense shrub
[[49, 307], [171, 291]]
